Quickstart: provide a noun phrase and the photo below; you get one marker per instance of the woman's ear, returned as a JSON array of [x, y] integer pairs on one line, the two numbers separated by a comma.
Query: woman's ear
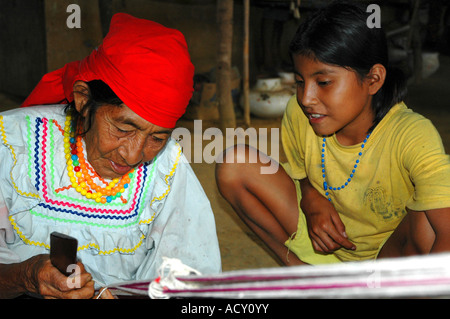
[[81, 95], [376, 78]]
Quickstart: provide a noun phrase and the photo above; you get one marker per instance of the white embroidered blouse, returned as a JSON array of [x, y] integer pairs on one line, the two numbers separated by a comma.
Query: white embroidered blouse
[[167, 213]]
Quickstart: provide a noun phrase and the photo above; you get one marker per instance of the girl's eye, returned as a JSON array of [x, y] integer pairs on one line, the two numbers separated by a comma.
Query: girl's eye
[[299, 82], [324, 83]]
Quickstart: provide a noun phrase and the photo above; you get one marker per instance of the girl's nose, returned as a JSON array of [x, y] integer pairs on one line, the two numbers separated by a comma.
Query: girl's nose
[[308, 96]]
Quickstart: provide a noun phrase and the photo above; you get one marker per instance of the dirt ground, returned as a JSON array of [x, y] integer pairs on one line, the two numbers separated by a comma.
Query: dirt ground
[[240, 248]]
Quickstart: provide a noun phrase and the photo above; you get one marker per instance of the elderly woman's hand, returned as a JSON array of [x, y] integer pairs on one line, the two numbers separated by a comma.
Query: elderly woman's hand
[[46, 280]]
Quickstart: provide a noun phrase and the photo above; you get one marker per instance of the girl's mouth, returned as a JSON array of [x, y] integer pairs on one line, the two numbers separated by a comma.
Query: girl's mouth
[[315, 118]]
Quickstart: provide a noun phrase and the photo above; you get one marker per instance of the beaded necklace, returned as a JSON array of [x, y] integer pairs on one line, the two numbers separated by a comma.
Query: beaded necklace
[[327, 187], [78, 171]]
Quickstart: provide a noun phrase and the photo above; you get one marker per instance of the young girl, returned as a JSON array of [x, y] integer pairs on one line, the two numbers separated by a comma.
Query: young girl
[[366, 177]]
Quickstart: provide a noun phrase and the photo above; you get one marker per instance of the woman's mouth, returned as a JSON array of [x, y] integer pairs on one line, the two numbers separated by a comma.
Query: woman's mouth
[[120, 169]]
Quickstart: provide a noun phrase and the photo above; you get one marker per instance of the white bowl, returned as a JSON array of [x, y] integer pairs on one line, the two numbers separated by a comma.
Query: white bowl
[[269, 104], [269, 84]]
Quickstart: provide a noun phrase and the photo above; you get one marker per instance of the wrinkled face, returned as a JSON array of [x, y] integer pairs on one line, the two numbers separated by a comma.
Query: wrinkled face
[[120, 140], [334, 99]]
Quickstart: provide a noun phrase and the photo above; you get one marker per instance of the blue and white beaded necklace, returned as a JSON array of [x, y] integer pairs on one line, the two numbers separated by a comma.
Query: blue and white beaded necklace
[[327, 187]]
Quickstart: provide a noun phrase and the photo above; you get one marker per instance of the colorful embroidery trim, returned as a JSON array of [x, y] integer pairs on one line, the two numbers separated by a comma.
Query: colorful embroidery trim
[[52, 184], [75, 206], [44, 174], [5, 142], [80, 248]]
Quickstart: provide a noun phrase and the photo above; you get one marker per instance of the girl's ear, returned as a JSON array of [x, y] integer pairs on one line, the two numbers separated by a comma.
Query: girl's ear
[[81, 95], [376, 78]]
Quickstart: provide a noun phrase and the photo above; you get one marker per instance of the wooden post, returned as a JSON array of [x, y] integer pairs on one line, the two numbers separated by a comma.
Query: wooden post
[[224, 45], [414, 41], [246, 71]]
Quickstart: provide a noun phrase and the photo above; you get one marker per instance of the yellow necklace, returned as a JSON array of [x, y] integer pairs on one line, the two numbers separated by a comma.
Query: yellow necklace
[[78, 171]]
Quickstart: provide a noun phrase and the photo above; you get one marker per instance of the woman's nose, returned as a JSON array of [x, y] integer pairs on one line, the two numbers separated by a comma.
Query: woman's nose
[[133, 151]]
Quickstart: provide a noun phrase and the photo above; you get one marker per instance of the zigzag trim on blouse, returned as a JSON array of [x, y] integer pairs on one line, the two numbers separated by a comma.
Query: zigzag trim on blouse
[[29, 148], [133, 211], [112, 251], [36, 147], [80, 248], [56, 193], [24, 239], [5, 142], [92, 245], [77, 207], [166, 179]]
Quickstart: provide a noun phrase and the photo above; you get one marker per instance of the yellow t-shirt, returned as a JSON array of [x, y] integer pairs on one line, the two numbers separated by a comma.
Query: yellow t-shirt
[[403, 165]]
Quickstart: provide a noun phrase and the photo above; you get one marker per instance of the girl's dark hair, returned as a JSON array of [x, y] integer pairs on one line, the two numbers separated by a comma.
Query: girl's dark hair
[[100, 94], [339, 35]]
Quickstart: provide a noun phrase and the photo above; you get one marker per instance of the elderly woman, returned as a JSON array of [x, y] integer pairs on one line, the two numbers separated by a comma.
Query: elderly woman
[[103, 169]]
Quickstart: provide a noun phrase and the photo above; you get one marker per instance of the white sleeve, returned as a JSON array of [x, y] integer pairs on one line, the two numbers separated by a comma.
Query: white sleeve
[[184, 229], [6, 235]]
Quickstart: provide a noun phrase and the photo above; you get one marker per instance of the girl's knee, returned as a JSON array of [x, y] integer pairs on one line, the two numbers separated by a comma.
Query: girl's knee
[[240, 154], [226, 171], [235, 166], [421, 235], [414, 236]]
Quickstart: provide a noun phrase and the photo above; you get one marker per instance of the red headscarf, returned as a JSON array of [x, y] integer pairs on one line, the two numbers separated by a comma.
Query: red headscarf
[[146, 64]]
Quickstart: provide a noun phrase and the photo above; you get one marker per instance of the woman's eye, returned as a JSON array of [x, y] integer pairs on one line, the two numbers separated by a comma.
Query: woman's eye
[[122, 131], [324, 83], [157, 139]]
